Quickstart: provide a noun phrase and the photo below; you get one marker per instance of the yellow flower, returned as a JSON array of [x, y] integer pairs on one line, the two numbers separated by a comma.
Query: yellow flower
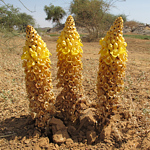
[[104, 52], [38, 77], [69, 69], [108, 60], [33, 54], [112, 64], [115, 45], [115, 53], [26, 55], [65, 50], [30, 63], [110, 47]]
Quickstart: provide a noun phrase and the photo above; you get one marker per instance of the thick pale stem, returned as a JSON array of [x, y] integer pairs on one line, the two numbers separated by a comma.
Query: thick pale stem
[[36, 64], [112, 64]]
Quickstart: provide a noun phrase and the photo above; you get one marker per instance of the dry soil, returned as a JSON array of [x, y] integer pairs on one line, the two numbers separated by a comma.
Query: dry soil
[[130, 129]]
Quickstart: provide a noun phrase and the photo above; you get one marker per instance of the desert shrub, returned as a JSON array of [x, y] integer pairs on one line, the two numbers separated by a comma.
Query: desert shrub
[[93, 15], [54, 13], [12, 19], [131, 24]]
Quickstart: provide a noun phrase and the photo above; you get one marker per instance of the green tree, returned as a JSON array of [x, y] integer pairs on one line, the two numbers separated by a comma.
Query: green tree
[[24, 20], [54, 13], [10, 17], [108, 19], [93, 15]]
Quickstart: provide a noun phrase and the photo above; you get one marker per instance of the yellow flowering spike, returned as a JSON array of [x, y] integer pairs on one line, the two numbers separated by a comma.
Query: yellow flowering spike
[[36, 64], [69, 71], [112, 64]]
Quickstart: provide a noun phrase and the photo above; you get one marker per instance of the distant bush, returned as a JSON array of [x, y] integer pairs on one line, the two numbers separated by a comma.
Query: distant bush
[[131, 24], [93, 15], [54, 13], [11, 18], [143, 37]]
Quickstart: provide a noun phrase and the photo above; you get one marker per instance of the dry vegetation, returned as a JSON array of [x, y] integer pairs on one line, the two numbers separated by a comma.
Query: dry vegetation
[[18, 132]]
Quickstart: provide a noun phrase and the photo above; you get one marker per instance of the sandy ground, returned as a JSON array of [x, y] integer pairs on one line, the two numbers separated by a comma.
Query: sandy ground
[[132, 131]]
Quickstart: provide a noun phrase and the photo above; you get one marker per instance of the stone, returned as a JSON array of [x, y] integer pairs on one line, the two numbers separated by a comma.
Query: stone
[[75, 139], [106, 133], [36, 134], [59, 131], [72, 130], [60, 136], [57, 123], [87, 118], [27, 141], [43, 142], [116, 134], [56, 146], [54, 129], [80, 139], [146, 143], [51, 146], [69, 141], [37, 147], [91, 136], [22, 141]]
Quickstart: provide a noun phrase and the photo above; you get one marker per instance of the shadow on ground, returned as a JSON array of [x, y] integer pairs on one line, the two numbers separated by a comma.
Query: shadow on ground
[[20, 127]]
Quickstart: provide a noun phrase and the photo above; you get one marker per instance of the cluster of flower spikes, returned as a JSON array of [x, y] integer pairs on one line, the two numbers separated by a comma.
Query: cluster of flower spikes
[[38, 80], [112, 65], [69, 73]]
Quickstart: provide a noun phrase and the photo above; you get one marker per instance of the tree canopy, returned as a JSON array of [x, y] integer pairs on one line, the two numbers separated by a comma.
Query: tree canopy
[[93, 15], [11, 18], [54, 13], [25, 20]]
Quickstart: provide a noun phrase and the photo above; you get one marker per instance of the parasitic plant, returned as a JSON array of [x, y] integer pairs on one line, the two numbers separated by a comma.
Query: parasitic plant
[[38, 80], [112, 64], [70, 100]]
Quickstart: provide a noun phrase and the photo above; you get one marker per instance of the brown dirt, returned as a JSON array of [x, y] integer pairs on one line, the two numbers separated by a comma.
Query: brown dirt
[[128, 129]]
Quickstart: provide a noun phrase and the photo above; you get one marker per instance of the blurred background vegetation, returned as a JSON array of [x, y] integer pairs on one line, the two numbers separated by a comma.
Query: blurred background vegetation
[[12, 19], [94, 16], [91, 15]]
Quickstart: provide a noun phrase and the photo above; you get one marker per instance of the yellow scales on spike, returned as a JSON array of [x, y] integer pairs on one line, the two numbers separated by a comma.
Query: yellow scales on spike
[[112, 64], [38, 80], [69, 74]]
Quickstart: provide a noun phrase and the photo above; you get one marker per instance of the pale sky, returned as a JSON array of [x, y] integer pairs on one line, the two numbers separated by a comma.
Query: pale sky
[[138, 10]]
